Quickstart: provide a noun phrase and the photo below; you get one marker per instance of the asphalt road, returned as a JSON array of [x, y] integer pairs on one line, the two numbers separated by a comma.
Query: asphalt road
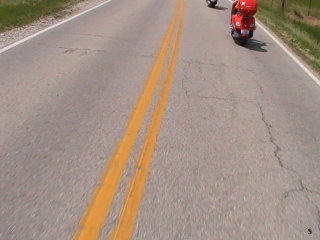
[[237, 154]]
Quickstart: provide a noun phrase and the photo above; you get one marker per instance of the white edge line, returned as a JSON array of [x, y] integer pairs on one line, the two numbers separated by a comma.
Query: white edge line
[[284, 48], [314, 78], [51, 27]]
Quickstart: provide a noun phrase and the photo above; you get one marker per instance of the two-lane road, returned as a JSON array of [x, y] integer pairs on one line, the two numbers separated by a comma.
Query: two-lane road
[[144, 119]]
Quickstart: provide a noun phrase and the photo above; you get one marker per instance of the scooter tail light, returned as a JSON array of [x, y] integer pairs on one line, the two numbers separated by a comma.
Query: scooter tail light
[[245, 22]]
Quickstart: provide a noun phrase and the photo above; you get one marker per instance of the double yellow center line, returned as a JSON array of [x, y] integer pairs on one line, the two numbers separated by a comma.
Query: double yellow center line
[[91, 223]]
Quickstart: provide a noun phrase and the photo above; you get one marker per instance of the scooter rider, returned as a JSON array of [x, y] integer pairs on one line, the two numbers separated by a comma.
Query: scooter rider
[[234, 8]]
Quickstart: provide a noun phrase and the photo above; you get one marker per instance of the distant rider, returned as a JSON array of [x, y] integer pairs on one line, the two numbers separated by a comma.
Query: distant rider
[[234, 8]]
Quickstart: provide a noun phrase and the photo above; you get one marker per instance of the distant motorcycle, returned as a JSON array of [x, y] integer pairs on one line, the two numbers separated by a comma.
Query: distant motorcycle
[[243, 22], [212, 3]]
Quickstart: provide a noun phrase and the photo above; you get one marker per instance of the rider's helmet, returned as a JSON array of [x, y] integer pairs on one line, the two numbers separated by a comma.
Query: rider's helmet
[[247, 7]]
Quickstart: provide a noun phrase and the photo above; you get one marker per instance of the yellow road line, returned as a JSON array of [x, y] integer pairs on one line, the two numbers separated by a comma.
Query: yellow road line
[[124, 227], [98, 207]]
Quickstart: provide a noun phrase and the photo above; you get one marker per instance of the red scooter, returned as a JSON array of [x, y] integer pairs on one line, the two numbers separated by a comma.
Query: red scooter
[[242, 21]]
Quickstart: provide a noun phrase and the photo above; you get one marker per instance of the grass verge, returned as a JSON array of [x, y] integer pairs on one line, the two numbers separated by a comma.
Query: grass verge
[[16, 13], [302, 37]]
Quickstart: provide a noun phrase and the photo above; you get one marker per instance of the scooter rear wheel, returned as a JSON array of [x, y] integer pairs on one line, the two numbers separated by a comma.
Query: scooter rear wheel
[[243, 41]]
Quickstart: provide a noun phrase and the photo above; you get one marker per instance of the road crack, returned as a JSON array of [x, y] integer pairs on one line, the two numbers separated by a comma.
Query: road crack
[[188, 95], [260, 88], [277, 148], [302, 188], [70, 50]]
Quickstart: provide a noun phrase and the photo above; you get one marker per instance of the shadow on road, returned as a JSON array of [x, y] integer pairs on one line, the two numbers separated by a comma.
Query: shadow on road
[[220, 8], [256, 45]]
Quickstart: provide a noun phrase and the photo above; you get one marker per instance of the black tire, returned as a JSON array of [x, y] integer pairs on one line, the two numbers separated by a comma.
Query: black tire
[[210, 4], [243, 41], [250, 34]]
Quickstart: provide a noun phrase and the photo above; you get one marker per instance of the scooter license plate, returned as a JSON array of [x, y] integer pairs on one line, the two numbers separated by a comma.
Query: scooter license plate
[[245, 31]]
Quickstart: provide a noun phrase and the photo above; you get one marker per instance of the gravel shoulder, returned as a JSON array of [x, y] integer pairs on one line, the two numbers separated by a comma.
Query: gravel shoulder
[[16, 34]]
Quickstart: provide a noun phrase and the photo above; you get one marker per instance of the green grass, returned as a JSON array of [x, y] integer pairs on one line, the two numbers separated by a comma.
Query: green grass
[[301, 36], [14, 13], [300, 6]]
